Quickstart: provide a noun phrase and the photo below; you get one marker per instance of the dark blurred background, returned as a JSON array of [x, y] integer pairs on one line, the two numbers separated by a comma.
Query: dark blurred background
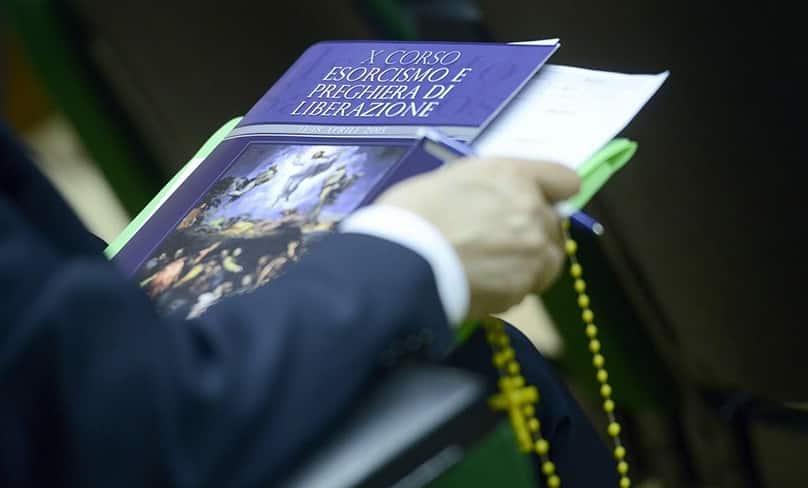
[[699, 278]]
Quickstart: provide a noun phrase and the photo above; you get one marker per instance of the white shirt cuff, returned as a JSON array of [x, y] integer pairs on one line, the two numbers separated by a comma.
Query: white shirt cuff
[[416, 233]]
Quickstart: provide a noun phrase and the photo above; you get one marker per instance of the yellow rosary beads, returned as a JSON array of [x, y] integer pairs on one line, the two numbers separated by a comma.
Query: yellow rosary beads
[[519, 400]]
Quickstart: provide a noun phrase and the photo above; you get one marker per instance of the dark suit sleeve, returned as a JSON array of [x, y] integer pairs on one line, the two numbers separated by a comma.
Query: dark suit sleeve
[[99, 390]]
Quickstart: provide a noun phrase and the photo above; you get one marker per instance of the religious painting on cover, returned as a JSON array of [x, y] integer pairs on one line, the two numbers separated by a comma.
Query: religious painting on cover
[[258, 217]]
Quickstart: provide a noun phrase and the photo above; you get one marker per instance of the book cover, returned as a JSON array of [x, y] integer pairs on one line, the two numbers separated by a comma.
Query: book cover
[[340, 126]]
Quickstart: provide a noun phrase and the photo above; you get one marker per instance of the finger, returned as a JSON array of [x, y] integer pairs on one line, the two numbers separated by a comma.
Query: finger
[[551, 257], [551, 224], [556, 181], [548, 219], [552, 262], [546, 224]]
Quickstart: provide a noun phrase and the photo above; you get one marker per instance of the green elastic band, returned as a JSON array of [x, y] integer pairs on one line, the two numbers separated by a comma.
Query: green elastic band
[[599, 168], [116, 245]]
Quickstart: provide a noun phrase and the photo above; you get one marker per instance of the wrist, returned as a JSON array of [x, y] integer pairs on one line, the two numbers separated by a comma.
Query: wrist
[[410, 230]]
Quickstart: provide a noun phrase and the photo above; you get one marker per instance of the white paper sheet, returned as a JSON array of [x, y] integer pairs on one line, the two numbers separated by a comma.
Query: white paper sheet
[[567, 114]]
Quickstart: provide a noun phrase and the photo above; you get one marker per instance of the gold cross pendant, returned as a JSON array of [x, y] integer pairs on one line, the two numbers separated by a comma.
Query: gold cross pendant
[[515, 398]]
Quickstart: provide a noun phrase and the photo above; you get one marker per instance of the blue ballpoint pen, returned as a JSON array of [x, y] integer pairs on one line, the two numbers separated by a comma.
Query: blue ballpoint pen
[[564, 209], [583, 220]]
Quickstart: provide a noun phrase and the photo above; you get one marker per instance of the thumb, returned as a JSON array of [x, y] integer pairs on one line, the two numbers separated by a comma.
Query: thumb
[[557, 182]]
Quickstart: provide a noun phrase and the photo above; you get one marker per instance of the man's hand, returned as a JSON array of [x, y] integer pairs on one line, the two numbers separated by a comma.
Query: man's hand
[[498, 216]]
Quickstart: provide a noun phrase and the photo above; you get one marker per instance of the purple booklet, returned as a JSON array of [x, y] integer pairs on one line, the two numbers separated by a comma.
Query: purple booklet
[[341, 125]]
